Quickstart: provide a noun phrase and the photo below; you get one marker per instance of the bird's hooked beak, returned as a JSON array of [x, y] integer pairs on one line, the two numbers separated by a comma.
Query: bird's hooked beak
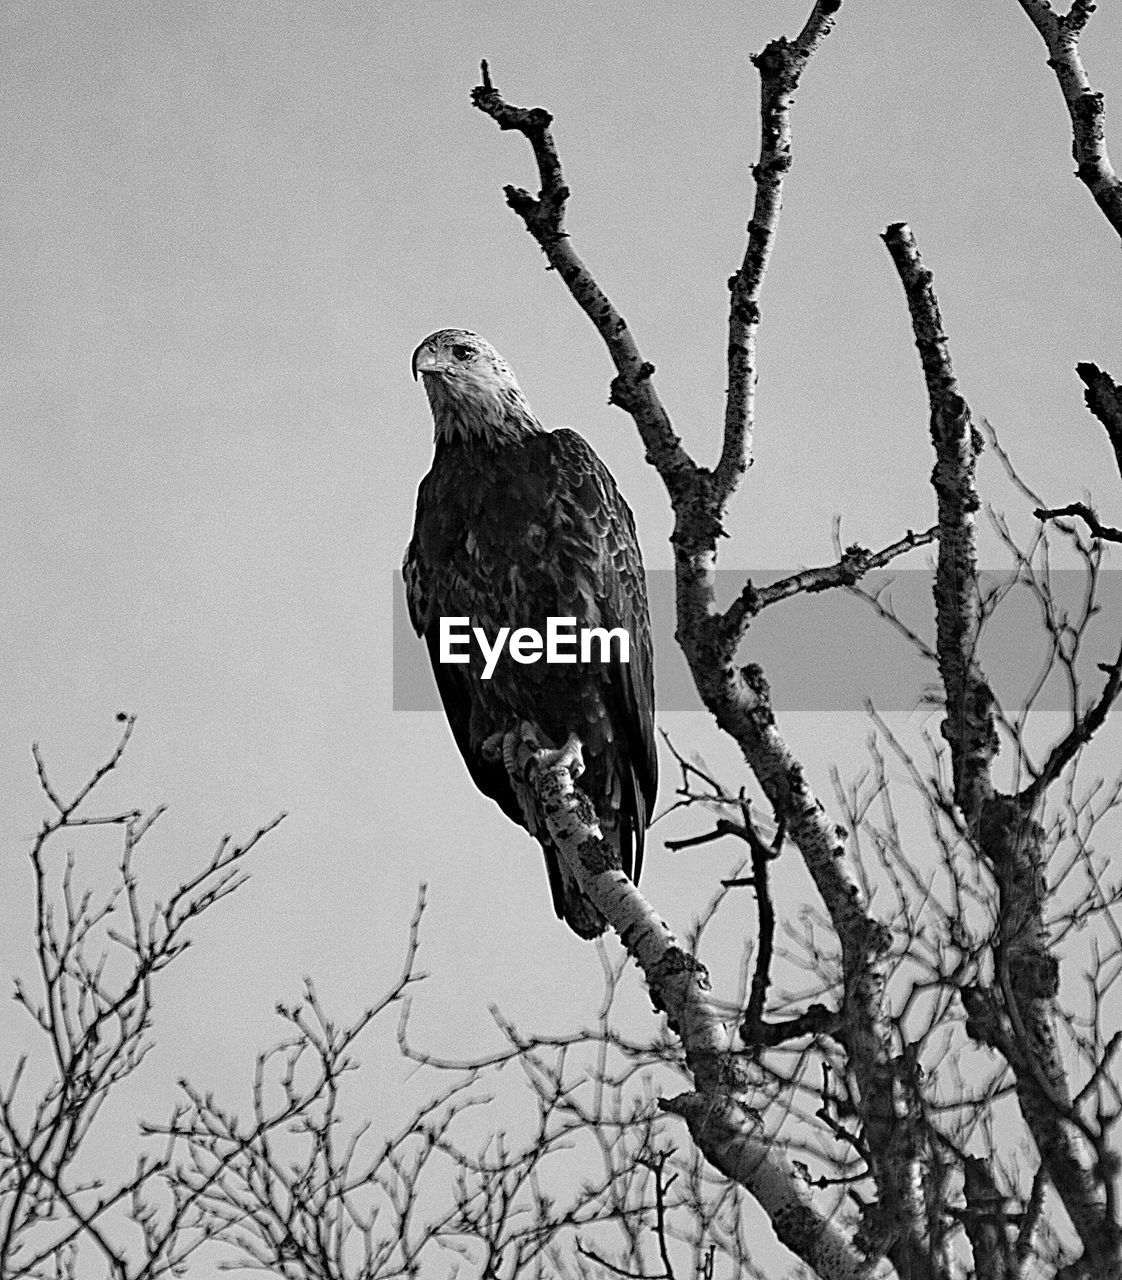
[[426, 360]]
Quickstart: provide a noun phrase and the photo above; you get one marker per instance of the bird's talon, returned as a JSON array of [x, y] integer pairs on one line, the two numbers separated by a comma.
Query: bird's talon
[[570, 756]]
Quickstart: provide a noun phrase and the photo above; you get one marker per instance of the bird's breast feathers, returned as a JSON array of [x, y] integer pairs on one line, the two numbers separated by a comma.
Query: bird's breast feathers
[[511, 536]]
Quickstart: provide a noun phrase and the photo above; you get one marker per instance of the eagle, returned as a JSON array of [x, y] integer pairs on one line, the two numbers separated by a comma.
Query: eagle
[[516, 525]]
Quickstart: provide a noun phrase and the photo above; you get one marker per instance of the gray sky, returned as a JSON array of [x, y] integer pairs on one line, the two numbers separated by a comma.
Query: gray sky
[[226, 226]]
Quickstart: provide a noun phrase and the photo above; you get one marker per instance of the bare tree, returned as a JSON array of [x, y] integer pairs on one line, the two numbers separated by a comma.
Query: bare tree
[[926, 1200], [297, 1189], [98, 955]]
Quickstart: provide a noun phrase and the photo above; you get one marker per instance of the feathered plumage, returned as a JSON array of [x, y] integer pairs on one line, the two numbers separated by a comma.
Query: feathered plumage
[[516, 524]]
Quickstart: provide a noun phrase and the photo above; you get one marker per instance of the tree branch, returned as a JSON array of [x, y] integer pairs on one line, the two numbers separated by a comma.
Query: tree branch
[[1103, 396], [1081, 732], [969, 726], [855, 562], [719, 1111], [1081, 511], [544, 215], [97, 1018], [1061, 33], [780, 65]]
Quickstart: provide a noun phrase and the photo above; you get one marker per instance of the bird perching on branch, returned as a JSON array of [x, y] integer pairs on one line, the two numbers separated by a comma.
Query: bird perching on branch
[[516, 526]]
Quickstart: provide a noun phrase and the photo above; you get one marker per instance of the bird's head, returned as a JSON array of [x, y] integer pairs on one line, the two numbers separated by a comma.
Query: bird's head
[[471, 389]]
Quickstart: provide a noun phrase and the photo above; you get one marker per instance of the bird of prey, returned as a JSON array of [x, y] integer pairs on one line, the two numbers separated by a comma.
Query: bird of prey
[[516, 524]]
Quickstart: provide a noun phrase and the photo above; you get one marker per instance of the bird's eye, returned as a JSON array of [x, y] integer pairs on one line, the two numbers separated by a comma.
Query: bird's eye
[[461, 352]]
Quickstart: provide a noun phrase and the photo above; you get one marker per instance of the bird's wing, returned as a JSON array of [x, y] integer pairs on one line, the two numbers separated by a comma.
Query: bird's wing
[[426, 602], [586, 495]]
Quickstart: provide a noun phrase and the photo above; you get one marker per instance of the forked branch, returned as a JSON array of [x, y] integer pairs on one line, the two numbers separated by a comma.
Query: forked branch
[[695, 493]]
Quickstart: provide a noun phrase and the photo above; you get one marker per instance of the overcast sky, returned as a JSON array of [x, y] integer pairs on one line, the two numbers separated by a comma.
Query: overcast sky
[[226, 226]]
